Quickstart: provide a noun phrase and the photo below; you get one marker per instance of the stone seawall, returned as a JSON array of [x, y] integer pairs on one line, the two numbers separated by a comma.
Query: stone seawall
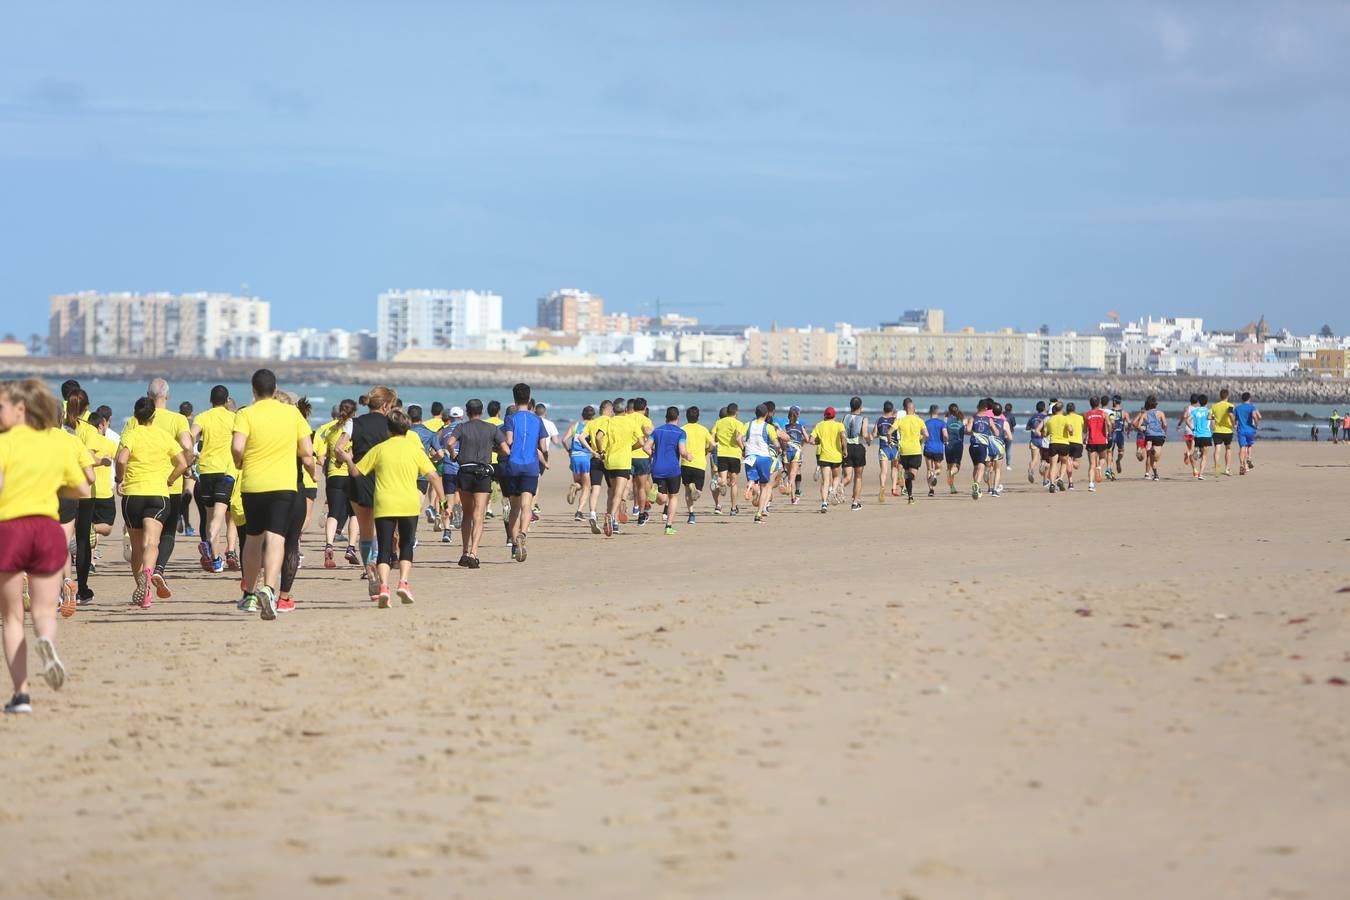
[[655, 379]]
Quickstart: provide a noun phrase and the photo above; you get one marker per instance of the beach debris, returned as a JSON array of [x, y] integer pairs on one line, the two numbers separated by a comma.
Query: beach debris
[[938, 689], [1222, 616], [1297, 621], [1082, 611], [1336, 680]]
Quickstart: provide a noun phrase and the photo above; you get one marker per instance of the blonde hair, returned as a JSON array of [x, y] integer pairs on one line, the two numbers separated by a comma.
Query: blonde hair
[[41, 411], [381, 397]]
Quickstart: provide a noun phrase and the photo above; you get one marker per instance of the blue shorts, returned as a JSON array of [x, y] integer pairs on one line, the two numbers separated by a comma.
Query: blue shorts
[[888, 452], [978, 453], [1246, 437], [953, 454], [1117, 440], [450, 483], [794, 452], [581, 464], [515, 485], [759, 469], [642, 466]]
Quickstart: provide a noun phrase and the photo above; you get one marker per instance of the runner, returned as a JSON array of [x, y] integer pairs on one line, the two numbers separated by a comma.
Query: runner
[[105, 504], [368, 430], [1152, 424], [1188, 436], [212, 432], [337, 484], [642, 463], [1008, 449], [982, 445], [471, 444], [1118, 423], [934, 446], [1056, 428], [912, 435], [397, 466], [1224, 423], [797, 437], [303, 505], [758, 443], [1202, 428], [523, 446], [699, 444], [887, 453], [269, 437], [78, 592], [957, 426], [602, 417], [670, 451], [37, 466], [729, 434], [1038, 448], [579, 462], [184, 525], [618, 437], [149, 464], [450, 420], [1248, 424], [427, 438], [177, 427], [858, 436], [828, 436], [1077, 438], [554, 440], [1097, 426]]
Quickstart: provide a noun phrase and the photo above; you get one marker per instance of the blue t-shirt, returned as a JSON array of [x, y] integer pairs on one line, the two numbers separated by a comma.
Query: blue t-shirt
[[935, 444], [448, 464], [425, 435], [1200, 422], [1244, 416], [1032, 424], [956, 431], [666, 450], [525, 430]]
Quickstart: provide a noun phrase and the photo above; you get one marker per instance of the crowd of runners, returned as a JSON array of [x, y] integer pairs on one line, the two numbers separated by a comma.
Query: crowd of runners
[[251, 469]]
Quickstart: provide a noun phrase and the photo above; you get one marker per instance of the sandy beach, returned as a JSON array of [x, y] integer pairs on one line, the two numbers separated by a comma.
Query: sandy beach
[[1137, 693]]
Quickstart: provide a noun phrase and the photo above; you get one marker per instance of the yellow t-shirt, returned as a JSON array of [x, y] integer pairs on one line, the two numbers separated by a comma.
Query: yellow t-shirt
[[36, 465], [173, 424], [594, 427], [325, 442], [1076, 421], [1057, 428], [396, 466], [621, 432], [725, 432], [644, 421], [151, 462], [274, 431], [696, 440], [217, 431], [910, 428], [104, 448], [826, 437], [495, 422], [1223, 417]]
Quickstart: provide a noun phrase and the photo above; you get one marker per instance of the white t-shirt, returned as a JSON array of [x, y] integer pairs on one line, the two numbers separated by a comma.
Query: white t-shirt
[[550, 429]]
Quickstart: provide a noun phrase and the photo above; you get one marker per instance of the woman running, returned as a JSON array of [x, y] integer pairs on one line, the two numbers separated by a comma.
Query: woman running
[[368, 431], [37, 465], [148, 464], [797, 437], [887, 453], [306, 493], [337, 485], [80, 529], [958, 424], [579, 457]]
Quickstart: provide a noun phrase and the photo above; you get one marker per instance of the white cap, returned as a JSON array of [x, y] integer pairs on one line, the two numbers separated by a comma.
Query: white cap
[[456, 412]]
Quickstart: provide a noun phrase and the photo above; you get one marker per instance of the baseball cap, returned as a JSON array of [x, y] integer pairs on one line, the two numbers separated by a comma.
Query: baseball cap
[[794, 408], [456, 412], [829, 412]]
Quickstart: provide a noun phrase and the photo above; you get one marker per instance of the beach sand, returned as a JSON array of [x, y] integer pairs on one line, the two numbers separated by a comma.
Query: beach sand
[[1127, 694]]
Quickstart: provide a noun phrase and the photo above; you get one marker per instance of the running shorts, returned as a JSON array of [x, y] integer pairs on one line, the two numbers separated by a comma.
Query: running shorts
[[794, 452], [692, 476], [642, 466], [105, 511], [1204, 442], [1246, 437], [1075, 451], [1157, 440], [1223, 437], [668, 486], [759, 469], [1098, 448], [857, 456], [67, 509], [34, 544], [515, 485], [978, 453], [953, 454], [312, 493], [912, 460], [1046, 454], [1141, 441], [597, 475], [1189, 439], [268, 511], [362, 490], [474, 481], [1059, 450], [450, 483], [1117, 440], [888, 452], [729, 464], [822, 464], [215, 487], [932, 455], [619, 473], [135, 510], [581, 464]]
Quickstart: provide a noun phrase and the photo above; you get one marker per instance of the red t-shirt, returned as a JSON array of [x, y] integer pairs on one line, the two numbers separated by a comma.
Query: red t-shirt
[[1096, 423]]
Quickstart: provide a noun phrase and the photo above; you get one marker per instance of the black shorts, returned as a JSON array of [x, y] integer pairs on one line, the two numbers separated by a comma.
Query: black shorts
[[67, 509], [1205, 441], [215, 487], [932, 456], [1156, 440], [954, 453], [268, 511], [475, 479], [911, 460], [1098, 448], [105, 511], [642, 466], [449, 483], [1225, 438], [1059, 449], [1046, 455], [311, 493], [1075, 451], [857, 456], [692, 476], [611, 474], [362, 490], [822, 464], [597, 473], [730, 464], [135, 510], [667, 486]]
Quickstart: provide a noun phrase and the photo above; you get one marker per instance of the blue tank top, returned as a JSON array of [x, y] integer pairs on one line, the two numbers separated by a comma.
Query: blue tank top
[[578, 448], [982, 425], [884, 426], [1153, 423], [956, 431]]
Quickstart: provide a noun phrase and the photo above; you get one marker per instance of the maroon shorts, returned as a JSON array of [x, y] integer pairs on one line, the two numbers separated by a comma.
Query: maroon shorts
[[32, 544]]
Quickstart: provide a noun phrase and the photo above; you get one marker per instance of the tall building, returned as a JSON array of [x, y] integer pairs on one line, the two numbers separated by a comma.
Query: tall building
[[793, 348], [157, 325], [435, 319], [927, 320], [572, 311]]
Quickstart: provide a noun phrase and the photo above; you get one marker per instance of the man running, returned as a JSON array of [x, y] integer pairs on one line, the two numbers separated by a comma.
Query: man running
[[1038, 448], [1224, 423], [858, 436], [214, 429], [1057, 429], [1202, 429], [911, 433], [619, 436], [934, 446], [642, 463], [957, 425], [1118, 422], [828, 436], [1076, 438], [471, 444], [699, 443], [1152, 424], [1097, 426], [760, 438], [797, 437], [1248, 424], [523, 445], [888, 465], [729, 434], [670, 450], [177, 427]]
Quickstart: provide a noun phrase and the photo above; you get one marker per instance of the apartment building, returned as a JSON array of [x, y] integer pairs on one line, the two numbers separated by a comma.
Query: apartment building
[[793, 348], [573, 311], [433, 318], [156, 325]]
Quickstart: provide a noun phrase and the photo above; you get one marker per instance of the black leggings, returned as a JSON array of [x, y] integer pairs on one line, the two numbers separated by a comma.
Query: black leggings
[[337, 491], [290, 563], [84, 550], [170, 531], [384, 536]]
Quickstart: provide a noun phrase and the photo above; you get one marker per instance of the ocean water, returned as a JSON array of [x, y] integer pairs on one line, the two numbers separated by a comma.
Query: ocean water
[[566, 406]]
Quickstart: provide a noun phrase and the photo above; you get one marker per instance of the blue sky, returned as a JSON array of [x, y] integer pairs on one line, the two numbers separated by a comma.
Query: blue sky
[[799, 162]]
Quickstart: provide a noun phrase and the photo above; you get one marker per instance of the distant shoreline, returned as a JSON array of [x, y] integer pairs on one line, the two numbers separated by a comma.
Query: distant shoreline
[[673, 378]]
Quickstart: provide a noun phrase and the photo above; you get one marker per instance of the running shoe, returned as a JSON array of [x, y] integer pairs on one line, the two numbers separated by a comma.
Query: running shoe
[[795, 498], [489, 514], [267, 603], [975, 491], [930, 492], [910, 501], [474, 562], [84, 598], [735, 510], [996, 492], [609, 525], [372, 581], [404, 593], [286, 604], [692, 520], [430, 513], [716, 481], [616, 528], [161, 586], [642, 518], [595, 525], [52, 670], [1199, 477], [19, 703], [231, 560], [351, 555], [717, 510], [534, 516], [69, 598], [464, 561], [824, 508], [189, 531], [520, 548], [670, 529], [447, 536], [217, 566], [142, 585], [1092, 488], [1051, 488], [759, 519], [1070, 485], [207, 557], [329, 562], [855, 506], [951, 489], [578, 517], [1059, 483], [247, 603], [383, 596], [573, 492]]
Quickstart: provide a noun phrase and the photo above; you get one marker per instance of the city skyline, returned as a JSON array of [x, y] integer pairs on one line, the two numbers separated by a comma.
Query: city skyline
[[766, 163]]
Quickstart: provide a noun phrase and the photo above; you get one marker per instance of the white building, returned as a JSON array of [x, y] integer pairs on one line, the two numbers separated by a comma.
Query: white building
[[1068, 352], [191, 326], [435, 318], [305, 343], [847, 346]]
